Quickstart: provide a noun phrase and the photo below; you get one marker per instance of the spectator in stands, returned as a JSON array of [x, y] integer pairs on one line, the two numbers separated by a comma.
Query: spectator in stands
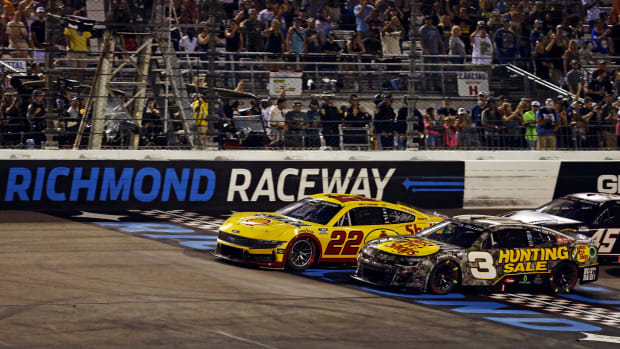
[[37, 30], [391, 35], [332, 50], [457, 48], [432, 44], [571, 55], [331, 117], [482, 46], [547, 122], [563, 132], [372, 43], [400, 125], [505, 44], [355, 117], [384, 123], [18, 36], [466, 132], [537, 34], [313, 120], [244, 12], [277, 124], [491, 120], [554, 53], [322, 23], [592, 10], [296, 38], [600, 37], [512, 121], [609, 115], [70, 121], [598, 87], [266, 15], [466, 23], [11, 119], [314, 44], [476, 110], [495, 22], [251, 29], [201, 112], [234, 40], [295, 124], [36, 116], [529, 122], [77, 44], [575, 79], [449, 132], [445, 28], [274, 45], [541, 61], [355, 45], [446, 109], [362, 11], [189, 42], [433, 128]]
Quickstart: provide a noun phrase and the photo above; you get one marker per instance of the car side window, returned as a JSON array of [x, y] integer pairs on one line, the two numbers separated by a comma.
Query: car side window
[[610, 217], [511, 238], [539, 237], [396, 216], [367, 216], [344, 221]]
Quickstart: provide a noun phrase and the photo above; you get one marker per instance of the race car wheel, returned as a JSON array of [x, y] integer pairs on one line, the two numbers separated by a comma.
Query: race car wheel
[[444, 278], [301, 255], [563, 278]]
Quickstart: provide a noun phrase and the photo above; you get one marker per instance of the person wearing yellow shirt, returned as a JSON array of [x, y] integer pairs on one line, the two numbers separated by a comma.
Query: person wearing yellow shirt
[[77, 50], [201, 110]]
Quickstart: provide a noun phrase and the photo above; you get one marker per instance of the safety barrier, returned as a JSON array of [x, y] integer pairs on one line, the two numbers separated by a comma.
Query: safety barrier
[[113, 180]]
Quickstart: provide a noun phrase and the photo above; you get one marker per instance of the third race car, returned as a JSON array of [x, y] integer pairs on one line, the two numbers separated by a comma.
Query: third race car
[[591, 214], [479, 251], [320, 228]]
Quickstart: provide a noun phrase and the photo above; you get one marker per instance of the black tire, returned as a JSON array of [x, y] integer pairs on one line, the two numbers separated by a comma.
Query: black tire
[[563, 278], [301, 255], [444, 278]]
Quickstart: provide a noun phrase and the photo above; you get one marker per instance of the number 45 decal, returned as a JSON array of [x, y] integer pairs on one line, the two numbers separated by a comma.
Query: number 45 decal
[[350, 247], [606, 239]]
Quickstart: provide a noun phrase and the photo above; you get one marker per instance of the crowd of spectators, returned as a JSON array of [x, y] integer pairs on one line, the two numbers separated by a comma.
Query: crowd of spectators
[[493, 123]]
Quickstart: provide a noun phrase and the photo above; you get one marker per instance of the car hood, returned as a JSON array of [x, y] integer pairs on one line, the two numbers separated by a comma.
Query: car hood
[[534, 217], [261, 225], [407, 245]]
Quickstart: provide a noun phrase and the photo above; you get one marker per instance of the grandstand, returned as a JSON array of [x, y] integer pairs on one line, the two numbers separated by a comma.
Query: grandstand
[[209, 74]]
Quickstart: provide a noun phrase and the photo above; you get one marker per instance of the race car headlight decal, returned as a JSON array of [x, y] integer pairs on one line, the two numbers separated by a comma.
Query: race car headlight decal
[[266, 244]]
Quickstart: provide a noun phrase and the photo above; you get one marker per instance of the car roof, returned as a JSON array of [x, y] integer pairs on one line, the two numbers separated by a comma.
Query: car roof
[[595, 197], [488, 221], [351, 200]]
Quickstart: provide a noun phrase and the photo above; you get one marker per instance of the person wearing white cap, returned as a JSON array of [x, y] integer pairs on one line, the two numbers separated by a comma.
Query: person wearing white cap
[[547, 122], [529, 122]]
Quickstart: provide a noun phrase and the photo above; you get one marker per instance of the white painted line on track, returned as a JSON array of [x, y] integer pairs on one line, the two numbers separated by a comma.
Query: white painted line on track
[[245, 340]]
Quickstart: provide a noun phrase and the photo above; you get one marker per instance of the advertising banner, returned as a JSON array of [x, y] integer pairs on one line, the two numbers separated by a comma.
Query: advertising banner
[[471, 83], [583, 176], [222, 185]]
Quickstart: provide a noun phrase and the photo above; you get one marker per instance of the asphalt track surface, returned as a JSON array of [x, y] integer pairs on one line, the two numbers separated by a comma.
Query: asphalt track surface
[[147, 279]]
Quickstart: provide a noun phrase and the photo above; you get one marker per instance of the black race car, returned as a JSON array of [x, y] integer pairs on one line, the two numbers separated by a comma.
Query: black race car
[[594, 215], [486, 251]]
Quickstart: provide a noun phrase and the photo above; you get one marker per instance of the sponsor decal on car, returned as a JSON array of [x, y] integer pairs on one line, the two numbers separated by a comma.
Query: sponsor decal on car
[[256, 221], [530, 259], [410, 247], [581, 253]]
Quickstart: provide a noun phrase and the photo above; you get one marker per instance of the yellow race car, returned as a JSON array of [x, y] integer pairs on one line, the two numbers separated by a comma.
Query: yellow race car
[[320, 228]]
